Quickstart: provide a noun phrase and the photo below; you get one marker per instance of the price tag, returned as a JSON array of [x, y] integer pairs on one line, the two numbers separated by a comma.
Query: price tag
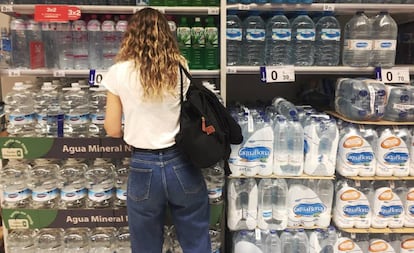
[[395, 75], [95, 77], [14, 72], [213, 11], [328, 7], [51, 13], [244, 7], [277, 74], [74, 13], [231, 70], [6, 8], [59, 73]]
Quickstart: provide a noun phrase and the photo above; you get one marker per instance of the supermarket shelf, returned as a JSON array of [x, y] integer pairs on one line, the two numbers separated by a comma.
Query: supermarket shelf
[[373, 178], [403, 230], [338, 8], [379, 123], [84, 73], [114, 9], [314, 70], [304, 176]]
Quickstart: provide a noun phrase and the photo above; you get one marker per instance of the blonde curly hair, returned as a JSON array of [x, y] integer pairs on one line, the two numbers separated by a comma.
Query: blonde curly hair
[[149, 42]]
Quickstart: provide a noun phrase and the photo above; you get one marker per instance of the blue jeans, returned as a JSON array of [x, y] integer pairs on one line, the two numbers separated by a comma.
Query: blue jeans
[[158, 179]]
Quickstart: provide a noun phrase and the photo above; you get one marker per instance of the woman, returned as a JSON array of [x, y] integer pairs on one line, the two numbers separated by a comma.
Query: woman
[[144, 88]]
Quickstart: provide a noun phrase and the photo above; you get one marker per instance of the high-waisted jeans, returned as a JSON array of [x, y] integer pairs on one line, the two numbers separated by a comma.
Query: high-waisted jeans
[[158, 179]]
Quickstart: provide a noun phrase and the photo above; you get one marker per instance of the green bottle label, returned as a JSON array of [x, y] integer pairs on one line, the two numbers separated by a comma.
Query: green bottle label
[[211, 34], [184, 37], [198, 37]]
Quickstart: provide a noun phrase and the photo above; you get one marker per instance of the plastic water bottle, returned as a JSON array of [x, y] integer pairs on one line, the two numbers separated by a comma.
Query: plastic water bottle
[[19, 106], [21, 241], [234, 36], [327, 42], [214, 177], [97, 103], [272, 243], [35, 44], [399, 102], [76, 240], [286, 241], [72, 184], [198, 45], [184, 38], [272, 204], [123, 240], [280, 148], [121, 179], [5, 48], [295, 147], [301, 241], [120, 28], [49, 240], [102, 240], [357, 41], [285, 108], [44, 185], [100, 183], [75, 105], [278, 37], [109, 45], [20, 48], [48, 31], [385, 30], [325, 191], [330, 240], [244, 241], [95, 42], [64, 48], [42, 101], [212, 49], [303, 40], [80, 45], [254, 35], [14, 184]]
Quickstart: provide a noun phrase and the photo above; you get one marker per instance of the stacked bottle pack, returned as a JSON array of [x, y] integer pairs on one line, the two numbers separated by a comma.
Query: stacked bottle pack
[[282, 140], [304, 41], [81, 240], [364, 99]]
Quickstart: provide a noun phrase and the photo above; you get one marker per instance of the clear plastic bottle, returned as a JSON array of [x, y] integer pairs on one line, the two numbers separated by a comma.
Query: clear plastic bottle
[[48, 31], [327, 42], [44, 185], [47, 96], [109, 44], [285, 107], [95, 43], [295, 147], [64, 48], [280, 148], [76, 240], [21, 241], [325, 192], [123, 240], [20, 48], [272, 243], [97, 103], [278, 37], [100, 177], [254, 35], [303, 40], [385, 30], [102, 240], [75, 105], [357, 41], [121, 179], [198, 45], [14, 183], [243, 239], [234, 36], [72, 184], [120, 28], [19, 106], [272, 204], [301, 241], [328, 144], [35, 40], [287, 242], [49, 240], [80, 45], [5, 48], [214, 177]]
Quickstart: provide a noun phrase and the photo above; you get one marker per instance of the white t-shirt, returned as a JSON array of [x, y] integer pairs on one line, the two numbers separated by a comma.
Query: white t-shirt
[[147, 125]]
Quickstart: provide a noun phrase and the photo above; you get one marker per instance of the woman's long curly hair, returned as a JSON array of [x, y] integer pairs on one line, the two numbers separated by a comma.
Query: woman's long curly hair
[[149, 42]]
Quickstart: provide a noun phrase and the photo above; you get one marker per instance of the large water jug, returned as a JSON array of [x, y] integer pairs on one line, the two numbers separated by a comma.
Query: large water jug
[[327, 42], [303, 40], [278, 37], [254, 34], [385, 30], [234, 36]]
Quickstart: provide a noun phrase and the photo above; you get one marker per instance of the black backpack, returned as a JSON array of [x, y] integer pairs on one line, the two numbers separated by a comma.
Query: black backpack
[[206, 127]]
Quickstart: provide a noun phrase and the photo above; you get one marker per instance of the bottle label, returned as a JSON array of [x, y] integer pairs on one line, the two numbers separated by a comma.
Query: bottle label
[[255, 34], [305, 34], [98, 119], [281, 34], [234, 34], [121, 26], [16, 196], [45, 196], [41, 118], [73, 195], [215, 193], [331, 34], [197, 37], [100, 195], [184, 36], [389, 45], [211, 36], [267, 214], [108, 26], [94, 27], [393, 155], [121, 194], [21, 119], [77, 119], [358, 44]]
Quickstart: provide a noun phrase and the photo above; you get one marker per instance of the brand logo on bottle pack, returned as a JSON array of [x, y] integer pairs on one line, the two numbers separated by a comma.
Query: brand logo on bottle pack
[[309, 210], [360, 158], [390, 211], [356, 211], [254, 153], [396, 157]]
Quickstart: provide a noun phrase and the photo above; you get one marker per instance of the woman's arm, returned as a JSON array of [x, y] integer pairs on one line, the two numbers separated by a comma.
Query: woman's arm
[[113, 116]]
